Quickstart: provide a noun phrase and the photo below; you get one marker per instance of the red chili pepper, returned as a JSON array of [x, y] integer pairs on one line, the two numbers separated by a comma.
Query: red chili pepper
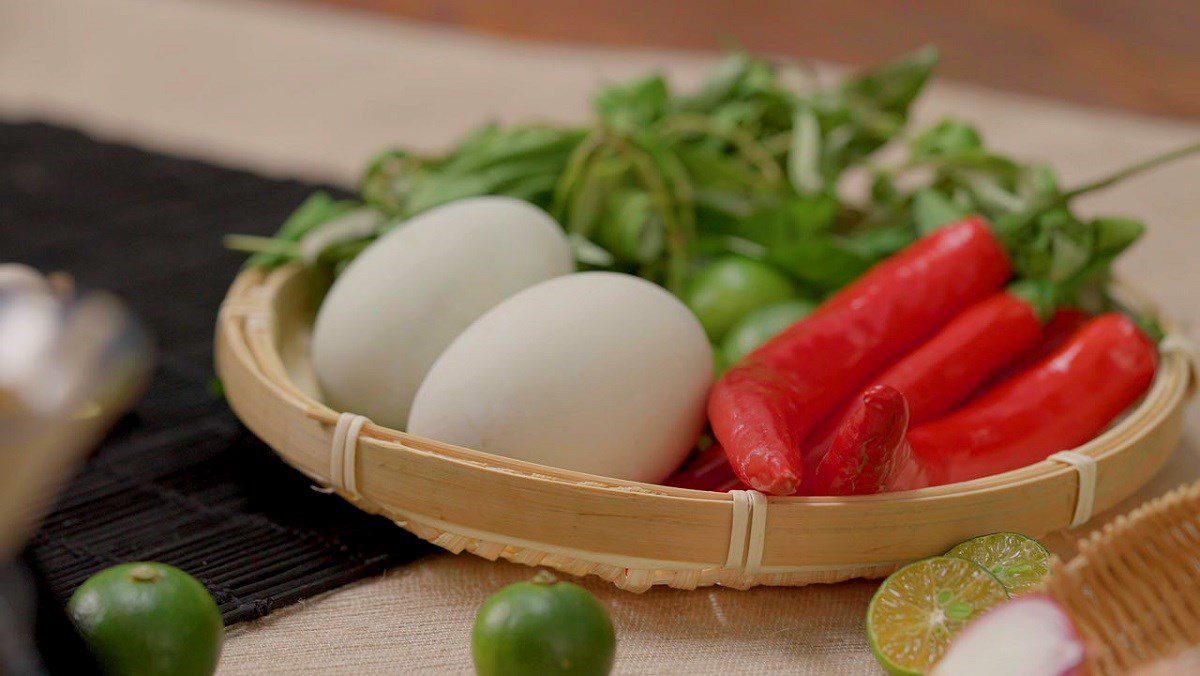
[[868, 449], [1062, 401], [708, 471], [951, 366], [1065, 322], [763, 409]]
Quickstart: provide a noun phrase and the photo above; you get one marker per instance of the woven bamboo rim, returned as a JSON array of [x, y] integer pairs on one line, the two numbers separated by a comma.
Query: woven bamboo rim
[[1134, 587], [632, 534]]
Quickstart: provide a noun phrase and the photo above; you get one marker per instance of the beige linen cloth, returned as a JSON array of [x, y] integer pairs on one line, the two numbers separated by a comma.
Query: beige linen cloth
[[314, 93]]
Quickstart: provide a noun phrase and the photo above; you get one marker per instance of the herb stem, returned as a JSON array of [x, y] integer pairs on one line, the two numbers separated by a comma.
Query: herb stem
[[266, 245], [754, 152], [576, 164], [1132, 170], [778, 144], [678, 234]]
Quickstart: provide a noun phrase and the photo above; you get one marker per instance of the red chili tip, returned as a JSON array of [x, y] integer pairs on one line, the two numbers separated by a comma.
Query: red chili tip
[[885, 398], [768, 473]]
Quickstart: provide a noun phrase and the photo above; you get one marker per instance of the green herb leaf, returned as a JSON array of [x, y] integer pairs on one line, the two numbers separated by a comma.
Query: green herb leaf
[[946, 138], [931, 210], [892, 87], [631, 228], [635, 104], [359, 224], [1114, 234], [320, 208], [661, 183], [589, 253], [804, 158]]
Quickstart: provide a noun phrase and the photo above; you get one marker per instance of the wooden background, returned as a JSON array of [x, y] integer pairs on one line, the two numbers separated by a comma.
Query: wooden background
[[1141, 55]]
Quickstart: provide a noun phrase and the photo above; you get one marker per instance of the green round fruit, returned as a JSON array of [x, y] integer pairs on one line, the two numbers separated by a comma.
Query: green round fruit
[[1019, 562], [148, 619], [720, 365], [543, 627], [920, 607], [762, 325], [733, 287]]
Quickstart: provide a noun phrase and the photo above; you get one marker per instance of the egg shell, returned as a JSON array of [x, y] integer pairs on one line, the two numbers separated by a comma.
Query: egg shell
[[596, 372], [397, 306]]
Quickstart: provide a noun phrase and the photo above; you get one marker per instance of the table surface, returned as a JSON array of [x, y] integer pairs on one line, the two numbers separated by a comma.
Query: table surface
[[314, 93]]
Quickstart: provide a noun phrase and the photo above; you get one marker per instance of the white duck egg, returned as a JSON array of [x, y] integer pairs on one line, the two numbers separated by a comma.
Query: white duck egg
[[595, 372], [397, 306]]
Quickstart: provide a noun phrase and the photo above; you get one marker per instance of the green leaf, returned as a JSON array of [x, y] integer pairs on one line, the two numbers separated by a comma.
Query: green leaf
[[1115, 234], [875, 244], [1070, 255], [948, 137], [715, 245], [1039, 183], [883, 187], [631, 228], [931, 210], [722, 84], [822, 262], [892, 87], [312, 213], [587, 202], [358, 224], [794, 219], [536, 189], [717, 171], [804, 157], [634, 104], [388, 179], [589, 253], [493, 146], [868, 110], [797, 237]]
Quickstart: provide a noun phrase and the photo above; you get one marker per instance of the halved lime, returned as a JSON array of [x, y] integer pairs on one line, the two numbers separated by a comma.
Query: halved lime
[[919, 608], [1020, 563]]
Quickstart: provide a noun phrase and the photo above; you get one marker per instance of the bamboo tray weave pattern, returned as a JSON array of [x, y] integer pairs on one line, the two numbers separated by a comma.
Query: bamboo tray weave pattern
[[1134, 588], [638, 535]]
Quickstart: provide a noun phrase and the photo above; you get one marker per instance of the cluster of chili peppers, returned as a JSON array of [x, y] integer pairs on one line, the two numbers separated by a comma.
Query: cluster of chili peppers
[[925, 371]]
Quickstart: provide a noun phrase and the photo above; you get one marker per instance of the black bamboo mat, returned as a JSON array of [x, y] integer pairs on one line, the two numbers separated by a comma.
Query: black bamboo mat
[[179, 480]]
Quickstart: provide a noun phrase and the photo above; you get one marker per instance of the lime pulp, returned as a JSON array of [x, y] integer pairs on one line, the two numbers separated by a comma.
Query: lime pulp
[[921, 607], [1019, 562]]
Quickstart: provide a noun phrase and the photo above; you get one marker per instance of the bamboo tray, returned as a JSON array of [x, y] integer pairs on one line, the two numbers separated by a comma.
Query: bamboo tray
[[632, 534]]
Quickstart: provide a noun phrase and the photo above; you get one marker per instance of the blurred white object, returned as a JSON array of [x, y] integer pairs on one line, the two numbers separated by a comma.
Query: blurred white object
[[1028, 636], [69, 365], [17, 277]]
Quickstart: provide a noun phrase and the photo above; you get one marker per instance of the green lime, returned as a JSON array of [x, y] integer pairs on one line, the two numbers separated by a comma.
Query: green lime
[[920, 607], [148, 618], [732, 287], [762, 325], [1019, 562], [543, 627], [720, 364]]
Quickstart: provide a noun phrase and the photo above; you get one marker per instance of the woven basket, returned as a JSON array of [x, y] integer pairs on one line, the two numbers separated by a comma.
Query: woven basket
[[632, 534], [1134, 588]]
